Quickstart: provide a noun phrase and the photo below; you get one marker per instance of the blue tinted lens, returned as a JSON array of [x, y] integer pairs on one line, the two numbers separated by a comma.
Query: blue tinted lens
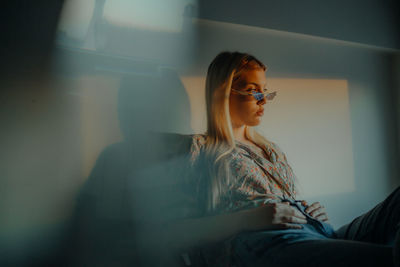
[[258, 96], [271, 96]]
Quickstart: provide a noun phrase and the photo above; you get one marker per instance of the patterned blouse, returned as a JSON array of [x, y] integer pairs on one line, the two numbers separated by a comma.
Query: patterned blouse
[[257, 180]]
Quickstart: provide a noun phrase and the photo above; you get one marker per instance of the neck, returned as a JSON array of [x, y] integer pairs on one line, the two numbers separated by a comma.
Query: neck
[[239, 133]]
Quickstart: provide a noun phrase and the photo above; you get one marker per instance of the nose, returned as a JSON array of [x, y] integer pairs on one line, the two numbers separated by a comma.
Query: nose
[[263, 101]]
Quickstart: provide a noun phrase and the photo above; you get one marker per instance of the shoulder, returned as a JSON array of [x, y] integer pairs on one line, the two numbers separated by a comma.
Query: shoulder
[[275, 147], [275, 150], [198, 139], [198, 142]]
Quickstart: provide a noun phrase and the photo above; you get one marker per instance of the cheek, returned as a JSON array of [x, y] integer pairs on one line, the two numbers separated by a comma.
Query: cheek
[[248, 107], [249, 114], [243, 110], [234, 110]]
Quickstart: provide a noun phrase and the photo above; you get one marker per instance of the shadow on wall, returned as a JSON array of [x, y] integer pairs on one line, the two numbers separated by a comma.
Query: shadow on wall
[[153, 103], [137, 185]]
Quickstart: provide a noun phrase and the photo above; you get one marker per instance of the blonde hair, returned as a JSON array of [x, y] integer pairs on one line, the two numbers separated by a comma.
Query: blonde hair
[[223, 71]]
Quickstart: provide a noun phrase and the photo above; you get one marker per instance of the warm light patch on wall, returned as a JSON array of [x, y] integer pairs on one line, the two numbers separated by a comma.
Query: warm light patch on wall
[[195, 88], [310, 120]]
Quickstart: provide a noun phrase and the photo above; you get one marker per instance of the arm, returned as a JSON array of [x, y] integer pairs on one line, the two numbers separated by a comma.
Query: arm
[[198, 231], [194, 232]]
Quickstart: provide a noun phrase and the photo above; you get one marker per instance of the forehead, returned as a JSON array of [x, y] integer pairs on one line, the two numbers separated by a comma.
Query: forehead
[[255, 76]]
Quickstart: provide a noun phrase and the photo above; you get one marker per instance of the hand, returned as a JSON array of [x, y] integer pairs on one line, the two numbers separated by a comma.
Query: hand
[[317, 211], [286, 216], [273, 216]]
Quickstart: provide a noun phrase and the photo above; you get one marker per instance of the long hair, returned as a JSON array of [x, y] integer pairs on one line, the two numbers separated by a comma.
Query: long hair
[[223, 71]]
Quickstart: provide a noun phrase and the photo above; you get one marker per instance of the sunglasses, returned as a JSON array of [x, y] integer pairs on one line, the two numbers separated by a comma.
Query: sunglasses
[[257, 95]]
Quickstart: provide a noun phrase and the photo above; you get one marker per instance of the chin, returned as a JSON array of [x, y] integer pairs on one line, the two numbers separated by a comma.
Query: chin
[[256, 122]]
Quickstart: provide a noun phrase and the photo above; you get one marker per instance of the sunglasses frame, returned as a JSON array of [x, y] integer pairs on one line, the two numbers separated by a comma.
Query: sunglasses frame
[[257, 96]]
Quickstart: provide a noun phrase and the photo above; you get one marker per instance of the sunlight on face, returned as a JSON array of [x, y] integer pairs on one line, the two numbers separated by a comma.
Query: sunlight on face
[[245, 109]]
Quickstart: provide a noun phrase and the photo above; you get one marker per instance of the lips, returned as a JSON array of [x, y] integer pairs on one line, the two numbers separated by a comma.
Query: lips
[[260, 112]]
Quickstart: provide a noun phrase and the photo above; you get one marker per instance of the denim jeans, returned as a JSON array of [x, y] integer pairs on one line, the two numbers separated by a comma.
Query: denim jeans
[[366, 241]]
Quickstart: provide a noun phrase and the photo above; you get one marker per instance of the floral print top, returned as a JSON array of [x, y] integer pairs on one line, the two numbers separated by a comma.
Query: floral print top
[[257, 179]]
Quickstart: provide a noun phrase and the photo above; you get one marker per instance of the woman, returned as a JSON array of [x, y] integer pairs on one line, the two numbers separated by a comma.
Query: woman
[[248, 176]]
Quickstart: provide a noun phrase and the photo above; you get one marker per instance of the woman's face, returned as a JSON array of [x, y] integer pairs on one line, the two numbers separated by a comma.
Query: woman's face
[[245, 109]]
